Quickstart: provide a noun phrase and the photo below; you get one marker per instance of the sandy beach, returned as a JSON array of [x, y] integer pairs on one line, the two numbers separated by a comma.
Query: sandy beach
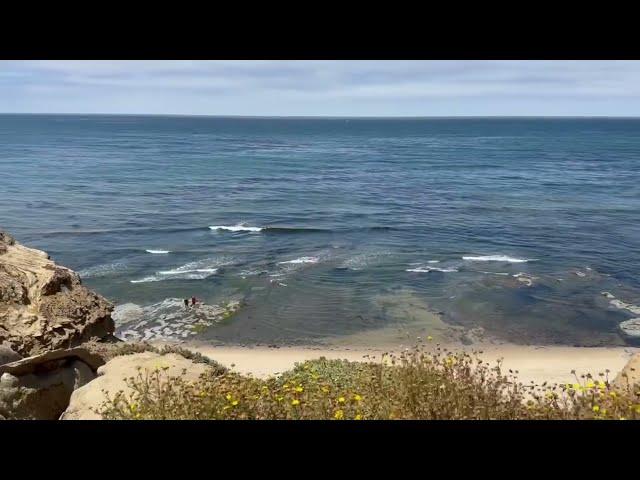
[[534, 363]]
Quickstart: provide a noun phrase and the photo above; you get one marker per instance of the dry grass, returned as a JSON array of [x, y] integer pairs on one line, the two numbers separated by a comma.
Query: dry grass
[[414, 385]]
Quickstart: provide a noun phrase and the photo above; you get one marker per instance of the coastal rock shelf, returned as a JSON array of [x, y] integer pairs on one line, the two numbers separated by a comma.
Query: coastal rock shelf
[[630, 329], [44, 306], [168, 320]]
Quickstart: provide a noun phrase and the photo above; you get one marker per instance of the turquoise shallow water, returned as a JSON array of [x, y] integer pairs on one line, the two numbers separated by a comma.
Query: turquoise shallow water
[[335, 214]]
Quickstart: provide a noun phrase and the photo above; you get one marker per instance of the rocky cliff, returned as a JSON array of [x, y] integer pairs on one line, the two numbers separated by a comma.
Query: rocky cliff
[[44, 306]]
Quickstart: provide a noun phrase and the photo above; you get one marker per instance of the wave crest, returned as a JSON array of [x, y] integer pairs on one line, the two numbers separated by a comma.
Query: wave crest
[[431, 269], [496, 258], [236, 228]]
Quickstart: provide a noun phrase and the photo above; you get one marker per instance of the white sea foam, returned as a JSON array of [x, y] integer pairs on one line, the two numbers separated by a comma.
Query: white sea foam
[[496, 258], [431, 269], [158, 251], [180, 271], [168, 319], [236, 228], [152, 278], [433, 261], [127, 312], [198, 270], [525, 278], [103, 270], [635, 309], [300, 260], [363, 260]]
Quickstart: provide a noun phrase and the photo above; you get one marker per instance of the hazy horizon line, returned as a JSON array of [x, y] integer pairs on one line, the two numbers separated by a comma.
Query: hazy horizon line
[[313, 116]]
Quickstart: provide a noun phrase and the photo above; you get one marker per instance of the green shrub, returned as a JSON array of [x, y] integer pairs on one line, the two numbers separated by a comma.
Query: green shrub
[[414, 385]]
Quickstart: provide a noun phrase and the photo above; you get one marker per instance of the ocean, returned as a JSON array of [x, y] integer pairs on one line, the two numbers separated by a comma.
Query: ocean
[[319, 229]]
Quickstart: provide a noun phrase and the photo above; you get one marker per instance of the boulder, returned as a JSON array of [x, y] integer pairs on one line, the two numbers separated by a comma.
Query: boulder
[[39, 387], [88, 400], [44, 306], [7, 355]]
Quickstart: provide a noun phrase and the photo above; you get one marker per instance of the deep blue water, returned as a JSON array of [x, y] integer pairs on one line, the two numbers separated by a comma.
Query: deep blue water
[[355, 203]]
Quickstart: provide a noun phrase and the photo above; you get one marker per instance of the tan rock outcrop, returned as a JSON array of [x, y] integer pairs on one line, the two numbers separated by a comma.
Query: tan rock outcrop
[[44, 306], [88, 399], [39, 387], [630, 374]]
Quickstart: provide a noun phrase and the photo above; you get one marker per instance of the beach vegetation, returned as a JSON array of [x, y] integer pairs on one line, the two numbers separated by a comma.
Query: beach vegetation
[[417, 384]]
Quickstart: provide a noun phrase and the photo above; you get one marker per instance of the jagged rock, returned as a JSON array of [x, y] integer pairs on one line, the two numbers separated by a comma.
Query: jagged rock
[[86, 400], [5, 241], [44, 306]]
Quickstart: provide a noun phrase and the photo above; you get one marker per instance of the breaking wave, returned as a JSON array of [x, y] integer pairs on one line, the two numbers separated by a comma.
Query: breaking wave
[[496, 258], [198, 270]]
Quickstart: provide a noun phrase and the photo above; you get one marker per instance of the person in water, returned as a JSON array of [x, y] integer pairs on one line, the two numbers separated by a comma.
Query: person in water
[[186, 303], [193, 301]]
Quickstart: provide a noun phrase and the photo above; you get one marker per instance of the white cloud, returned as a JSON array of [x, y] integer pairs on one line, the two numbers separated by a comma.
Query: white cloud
[[323, 87]]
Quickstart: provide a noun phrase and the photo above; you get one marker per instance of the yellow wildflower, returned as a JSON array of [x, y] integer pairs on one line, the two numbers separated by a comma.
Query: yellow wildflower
[[325, 389], [299, 389], [596, 408], [229, 396], [234, 403], [613, 394], [357, 397], [341, 400], [590, 384], [295, 402], [358, 417], [280, 399], [339, 415]]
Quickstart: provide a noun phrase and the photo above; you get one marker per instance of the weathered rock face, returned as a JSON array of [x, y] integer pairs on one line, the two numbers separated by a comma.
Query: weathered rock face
[[39, 387], [630, 374], [44, 306], [88, 400], [7, 354]]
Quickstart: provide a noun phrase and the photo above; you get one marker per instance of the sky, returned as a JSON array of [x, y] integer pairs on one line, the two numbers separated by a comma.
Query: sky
[[322, 88]]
